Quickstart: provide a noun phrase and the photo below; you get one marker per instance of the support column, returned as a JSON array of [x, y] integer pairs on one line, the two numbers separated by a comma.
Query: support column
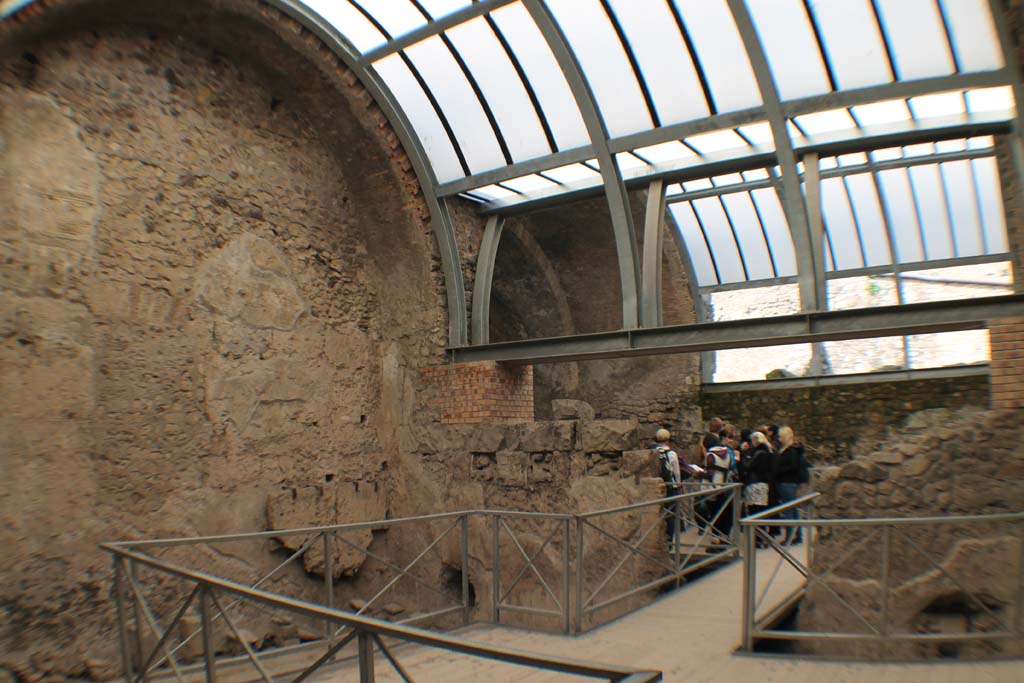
[[654, 234], [1006, 339], [482, 391]]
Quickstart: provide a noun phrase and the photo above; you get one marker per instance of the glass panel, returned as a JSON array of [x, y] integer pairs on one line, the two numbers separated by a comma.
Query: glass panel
[[755, 302], [990, 99], [974, 34], [887, 154], [363, 35], [492, 192], [717, 141], [530, 184], [758, 133], [840, 225], [627, 161], [573, 173], [417, 108], [931, 204], [792, 50], [748, 232], [726, 179], [941, 104], [605, 65], [869, 219], [853, 42], [398, 17], [899, 205], [502, 87], [880, 113], [459, 103], [963, 208], [917, 38], [957, 282], [855, 159], [923, 149], [827, 163], [736, 365], [666, 66], [442, 8], [990, 199], [853, 356], [545, 75], [666, 152], [983, 142], [721, 53], [948, 348], [774, 221], [698, 184], [826, 121], [755, 174], [720, 237], [946, 146], [864, 291], [700, 256]]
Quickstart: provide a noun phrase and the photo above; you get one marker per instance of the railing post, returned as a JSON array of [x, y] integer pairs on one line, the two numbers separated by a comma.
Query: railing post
[[1020, 580], [328, 587], [566, 625], [122, 619], [749, 585], [677, 536], [137, 619], [580, 574], [206, 625], [737, 515], [466, 616], [365, 657], [496, 569]]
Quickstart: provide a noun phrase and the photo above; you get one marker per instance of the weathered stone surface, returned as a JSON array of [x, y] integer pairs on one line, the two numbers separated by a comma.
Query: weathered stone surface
[[547, 436], [511, 467], [569, 409], [641, 463], [607, 435]]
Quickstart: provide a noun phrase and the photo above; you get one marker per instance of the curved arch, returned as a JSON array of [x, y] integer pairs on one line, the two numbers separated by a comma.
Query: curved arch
[[440, 219]]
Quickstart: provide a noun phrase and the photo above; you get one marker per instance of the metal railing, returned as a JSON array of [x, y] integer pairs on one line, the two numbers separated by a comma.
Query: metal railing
[[366, 634], [840, 558], [566, 572]]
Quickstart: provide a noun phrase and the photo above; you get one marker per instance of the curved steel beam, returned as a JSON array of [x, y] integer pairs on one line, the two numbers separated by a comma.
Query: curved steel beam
[[440, 219], [615, 189], [810, 266], [481, 318]]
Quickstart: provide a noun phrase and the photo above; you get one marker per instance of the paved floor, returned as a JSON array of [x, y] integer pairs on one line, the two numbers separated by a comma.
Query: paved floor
[[690, 635]]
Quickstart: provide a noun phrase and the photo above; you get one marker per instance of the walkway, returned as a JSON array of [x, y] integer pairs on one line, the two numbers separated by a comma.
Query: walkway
[[690, 635]]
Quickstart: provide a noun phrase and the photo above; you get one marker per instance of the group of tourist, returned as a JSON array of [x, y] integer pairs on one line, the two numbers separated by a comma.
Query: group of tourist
[[767, 460]]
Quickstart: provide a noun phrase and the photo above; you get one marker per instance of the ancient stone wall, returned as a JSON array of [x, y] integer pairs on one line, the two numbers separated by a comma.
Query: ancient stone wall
[[213, 278], [839, 421], [948, 578]]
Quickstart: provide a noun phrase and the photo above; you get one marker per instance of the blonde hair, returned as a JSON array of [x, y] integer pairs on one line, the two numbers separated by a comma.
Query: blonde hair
[[786, 436], [759, 439]]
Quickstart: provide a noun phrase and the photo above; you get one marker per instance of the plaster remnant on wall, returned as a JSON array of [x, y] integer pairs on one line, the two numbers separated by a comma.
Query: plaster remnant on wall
[[249, 280]]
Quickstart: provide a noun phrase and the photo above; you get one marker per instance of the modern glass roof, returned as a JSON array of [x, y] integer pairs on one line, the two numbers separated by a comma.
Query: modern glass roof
[[515, 104]]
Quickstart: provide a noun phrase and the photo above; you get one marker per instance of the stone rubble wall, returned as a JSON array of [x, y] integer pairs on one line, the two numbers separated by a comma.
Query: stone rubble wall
[[940, 462]]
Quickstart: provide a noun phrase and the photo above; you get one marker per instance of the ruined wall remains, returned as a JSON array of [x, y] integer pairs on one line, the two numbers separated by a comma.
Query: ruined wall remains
[[840, 421], [212, 279], [950, 578]]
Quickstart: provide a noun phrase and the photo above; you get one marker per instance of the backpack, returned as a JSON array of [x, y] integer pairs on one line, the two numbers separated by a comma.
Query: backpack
[[729, 472], [803, 469]]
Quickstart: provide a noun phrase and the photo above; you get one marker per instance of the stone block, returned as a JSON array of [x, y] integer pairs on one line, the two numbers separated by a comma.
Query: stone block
[[485, 437], [568, 409], [547, 436], [607, 435], [511, 467], [641, 463], [916, 466], [887, 458]]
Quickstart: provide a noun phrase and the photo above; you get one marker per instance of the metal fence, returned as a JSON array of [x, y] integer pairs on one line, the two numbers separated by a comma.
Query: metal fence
[[855, 597], [563, 572]]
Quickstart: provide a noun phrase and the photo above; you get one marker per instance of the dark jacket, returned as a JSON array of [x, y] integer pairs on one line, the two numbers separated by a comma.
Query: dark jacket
[[789, 465], [757, 465]]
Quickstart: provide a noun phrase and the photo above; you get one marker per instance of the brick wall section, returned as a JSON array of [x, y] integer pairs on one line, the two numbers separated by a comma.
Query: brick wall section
[[1006, 337], [485, 391]]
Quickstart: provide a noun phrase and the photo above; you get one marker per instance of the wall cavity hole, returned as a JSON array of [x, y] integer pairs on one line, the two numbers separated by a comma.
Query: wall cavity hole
[[328, 477], [451, 578]]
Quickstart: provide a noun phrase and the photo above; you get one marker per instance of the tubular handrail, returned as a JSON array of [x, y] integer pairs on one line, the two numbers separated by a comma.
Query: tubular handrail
[[718, 488], [387, 629], [876, 627]]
